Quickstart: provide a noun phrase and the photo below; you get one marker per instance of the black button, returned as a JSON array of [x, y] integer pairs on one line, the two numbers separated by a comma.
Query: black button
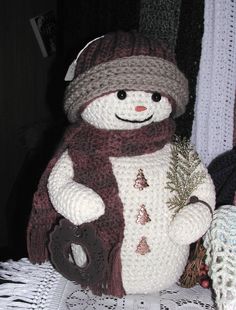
[[121, 94], [156, 96]]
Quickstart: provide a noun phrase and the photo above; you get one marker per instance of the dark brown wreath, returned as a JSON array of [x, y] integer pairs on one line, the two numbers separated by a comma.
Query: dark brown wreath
[[61, 238]]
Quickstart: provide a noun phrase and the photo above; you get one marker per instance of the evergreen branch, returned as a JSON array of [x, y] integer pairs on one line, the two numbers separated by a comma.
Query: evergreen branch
[[182, 176]]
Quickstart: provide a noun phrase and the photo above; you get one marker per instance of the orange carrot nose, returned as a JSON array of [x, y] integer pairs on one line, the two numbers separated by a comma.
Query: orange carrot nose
[[140, 108]]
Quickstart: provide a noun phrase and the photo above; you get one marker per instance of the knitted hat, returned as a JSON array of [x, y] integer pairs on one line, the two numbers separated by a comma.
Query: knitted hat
[[124, 60]]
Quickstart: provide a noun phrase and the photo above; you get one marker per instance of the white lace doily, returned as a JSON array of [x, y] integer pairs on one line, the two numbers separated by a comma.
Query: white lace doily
[[41, 287]]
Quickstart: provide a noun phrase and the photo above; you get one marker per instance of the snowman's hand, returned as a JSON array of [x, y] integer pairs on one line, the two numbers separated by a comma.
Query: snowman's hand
[[191, 222], [76, 202]]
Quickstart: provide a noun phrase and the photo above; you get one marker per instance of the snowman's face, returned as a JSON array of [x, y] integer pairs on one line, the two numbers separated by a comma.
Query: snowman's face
[[127, 110]]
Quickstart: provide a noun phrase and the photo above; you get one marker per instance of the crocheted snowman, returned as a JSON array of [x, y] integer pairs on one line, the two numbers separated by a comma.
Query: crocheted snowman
[[133, 198]]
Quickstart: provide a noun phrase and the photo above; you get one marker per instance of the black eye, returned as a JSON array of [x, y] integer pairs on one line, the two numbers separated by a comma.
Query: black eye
[[121, 94], [156, 96]]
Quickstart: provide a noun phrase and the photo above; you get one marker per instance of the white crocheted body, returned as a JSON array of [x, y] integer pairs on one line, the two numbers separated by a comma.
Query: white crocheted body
[[164, 264], [212, 132], [220, 243], [168, 240]]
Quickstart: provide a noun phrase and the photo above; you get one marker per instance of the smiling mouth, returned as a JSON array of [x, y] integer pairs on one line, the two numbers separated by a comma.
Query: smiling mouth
[[133, 121]]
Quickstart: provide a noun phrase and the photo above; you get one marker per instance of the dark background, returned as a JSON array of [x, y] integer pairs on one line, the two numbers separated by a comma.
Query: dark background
[[31, 90]]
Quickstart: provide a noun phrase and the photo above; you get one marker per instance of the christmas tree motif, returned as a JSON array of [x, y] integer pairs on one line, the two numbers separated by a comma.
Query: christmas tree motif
[[143, 217], [140, 182], [143, 247]]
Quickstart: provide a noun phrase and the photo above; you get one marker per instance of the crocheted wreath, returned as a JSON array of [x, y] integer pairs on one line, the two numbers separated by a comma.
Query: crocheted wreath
[[121, 201]]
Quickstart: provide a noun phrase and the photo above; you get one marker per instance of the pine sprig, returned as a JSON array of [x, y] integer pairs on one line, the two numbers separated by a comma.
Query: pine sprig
[[183, 174]]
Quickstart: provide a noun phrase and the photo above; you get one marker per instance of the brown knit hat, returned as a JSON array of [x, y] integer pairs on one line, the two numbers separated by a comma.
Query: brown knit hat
[[124, 60]]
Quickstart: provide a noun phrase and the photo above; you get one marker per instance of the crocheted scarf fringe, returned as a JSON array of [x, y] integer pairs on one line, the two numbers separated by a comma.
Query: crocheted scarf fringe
[[28, 286], [20, 283]]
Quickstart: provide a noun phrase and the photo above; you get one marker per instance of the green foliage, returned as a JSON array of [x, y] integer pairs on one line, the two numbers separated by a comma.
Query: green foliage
[[184, 175]]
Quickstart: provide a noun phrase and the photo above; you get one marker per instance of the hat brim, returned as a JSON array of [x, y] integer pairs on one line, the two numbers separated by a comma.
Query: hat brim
[[129, 73]]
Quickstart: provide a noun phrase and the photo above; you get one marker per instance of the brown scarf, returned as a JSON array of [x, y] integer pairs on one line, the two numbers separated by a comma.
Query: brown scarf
[[90, 149]]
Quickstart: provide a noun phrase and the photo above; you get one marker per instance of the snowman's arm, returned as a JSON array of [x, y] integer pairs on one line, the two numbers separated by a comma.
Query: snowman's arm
[[76, 202], [193, 220]]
